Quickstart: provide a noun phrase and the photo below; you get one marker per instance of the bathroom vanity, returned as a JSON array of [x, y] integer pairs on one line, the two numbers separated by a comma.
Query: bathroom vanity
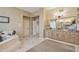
[[66, 36], [64, 30]]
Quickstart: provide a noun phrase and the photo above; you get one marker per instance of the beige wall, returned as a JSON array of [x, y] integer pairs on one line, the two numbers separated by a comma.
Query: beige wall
[[71, 11], [16, 19], [46, 17]]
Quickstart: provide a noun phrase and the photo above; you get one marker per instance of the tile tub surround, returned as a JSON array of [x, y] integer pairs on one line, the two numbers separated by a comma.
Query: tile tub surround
[[28, 43], [66, 36]]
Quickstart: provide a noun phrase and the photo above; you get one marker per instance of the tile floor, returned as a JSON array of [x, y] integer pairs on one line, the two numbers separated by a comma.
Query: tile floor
[[49, 46], [41, 45], [27, 44]]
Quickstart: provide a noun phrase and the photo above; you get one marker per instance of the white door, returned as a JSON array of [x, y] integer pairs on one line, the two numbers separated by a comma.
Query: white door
[[26, 27]]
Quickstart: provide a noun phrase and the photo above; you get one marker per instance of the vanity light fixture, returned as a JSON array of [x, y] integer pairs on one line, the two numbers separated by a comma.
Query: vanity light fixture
[[60, 13]]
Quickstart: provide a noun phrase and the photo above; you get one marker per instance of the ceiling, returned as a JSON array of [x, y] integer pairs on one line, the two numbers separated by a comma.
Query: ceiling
[[49, 8], [30, 9], [34, 9]]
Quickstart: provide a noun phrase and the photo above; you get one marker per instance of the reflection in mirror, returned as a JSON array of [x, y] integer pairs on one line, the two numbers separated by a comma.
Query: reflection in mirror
[[65, 24]]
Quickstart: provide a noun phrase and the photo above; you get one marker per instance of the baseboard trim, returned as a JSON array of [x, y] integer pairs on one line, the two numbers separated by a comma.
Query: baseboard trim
[[62, 42]]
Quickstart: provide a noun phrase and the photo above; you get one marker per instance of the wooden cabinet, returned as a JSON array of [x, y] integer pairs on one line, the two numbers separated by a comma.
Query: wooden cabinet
[[66, 36], [70, 37]]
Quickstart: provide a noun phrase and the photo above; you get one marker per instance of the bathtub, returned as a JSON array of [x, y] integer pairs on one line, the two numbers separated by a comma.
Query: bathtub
[[10, 44]]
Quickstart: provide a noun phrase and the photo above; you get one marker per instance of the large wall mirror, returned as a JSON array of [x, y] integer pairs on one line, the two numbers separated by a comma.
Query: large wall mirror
[[65, 24]]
